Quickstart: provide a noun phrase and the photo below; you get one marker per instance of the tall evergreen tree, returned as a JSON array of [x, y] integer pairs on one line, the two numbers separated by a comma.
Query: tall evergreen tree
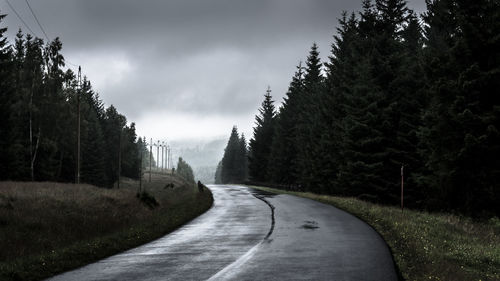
[[282, 167], [260, 144], [309, 121], [460, 136], [243, 158], [340, 73], [6, 84], [113, 130], [92, 159], [233, 161], [130, 152]]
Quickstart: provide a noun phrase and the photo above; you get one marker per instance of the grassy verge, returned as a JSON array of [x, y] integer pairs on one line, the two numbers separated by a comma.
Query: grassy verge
[[427, 246], [48, 228]]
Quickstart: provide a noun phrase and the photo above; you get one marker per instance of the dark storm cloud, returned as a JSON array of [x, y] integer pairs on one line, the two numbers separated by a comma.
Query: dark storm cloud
[[204, 58]]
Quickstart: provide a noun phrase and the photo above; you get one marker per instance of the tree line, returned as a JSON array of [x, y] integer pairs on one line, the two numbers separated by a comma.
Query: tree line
[[184, 170], [38, 113], [233, 168], [398, 90]]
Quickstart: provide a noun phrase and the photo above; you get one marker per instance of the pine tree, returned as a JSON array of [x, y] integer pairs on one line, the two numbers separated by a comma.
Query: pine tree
[[130, 152], [242, 159], [112, 129], [340, 71], [282, 167], [231, 161], [7, 89], [309, 119], [260, 144], [460, 138]]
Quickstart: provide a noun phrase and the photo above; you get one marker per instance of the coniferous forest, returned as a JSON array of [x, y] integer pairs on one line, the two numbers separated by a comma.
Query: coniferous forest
[[398, 90], [38, 113], [233, 168]]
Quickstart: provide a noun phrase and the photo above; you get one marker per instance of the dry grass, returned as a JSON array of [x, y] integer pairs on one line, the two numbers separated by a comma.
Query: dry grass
[[49, 227], [428, 246]]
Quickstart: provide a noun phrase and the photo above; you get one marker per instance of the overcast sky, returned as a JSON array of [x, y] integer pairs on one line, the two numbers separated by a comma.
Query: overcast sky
[[186, 69]]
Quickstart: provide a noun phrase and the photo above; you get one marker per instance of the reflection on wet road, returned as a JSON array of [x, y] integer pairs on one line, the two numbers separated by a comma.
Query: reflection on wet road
[[253, 235]]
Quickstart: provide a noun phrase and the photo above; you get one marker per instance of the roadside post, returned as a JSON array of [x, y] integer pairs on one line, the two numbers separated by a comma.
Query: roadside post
[[402, 185], [150, 157], [140, 175]]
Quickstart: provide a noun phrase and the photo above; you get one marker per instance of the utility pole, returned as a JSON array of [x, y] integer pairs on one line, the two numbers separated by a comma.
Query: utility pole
[[162, 155], [31, 129], [140, 175], [170, 157], [150, 157], [402, 185], [78, 125], [158, 155], [119, 157]]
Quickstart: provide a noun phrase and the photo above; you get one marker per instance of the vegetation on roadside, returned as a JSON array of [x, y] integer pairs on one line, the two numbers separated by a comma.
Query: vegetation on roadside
[[427, 246], [47, 228]]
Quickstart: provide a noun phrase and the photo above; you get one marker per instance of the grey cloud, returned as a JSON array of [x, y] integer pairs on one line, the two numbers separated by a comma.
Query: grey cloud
[[196, 57]]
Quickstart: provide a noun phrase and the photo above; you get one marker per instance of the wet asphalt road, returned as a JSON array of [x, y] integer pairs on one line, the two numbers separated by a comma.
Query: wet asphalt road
[[251, 235]]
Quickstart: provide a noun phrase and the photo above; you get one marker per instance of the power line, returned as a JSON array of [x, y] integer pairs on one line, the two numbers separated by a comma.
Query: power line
[[32, 32], [67, 61], [20, 18], [37, 21]]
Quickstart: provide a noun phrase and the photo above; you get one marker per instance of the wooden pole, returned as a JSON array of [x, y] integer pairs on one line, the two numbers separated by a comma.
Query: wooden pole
[[140, 175], [150, 157], [119, 157], [162, 155], [158, 155], [402, 186], [78, 126]]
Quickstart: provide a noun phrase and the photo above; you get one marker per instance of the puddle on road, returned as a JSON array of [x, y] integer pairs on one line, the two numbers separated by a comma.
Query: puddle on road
[[310, 225]]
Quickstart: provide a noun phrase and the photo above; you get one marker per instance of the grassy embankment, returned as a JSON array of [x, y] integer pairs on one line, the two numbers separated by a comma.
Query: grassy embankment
[[428, 246], [47, 228]]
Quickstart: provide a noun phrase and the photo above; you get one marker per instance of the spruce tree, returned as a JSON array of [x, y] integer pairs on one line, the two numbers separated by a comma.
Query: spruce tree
[[112, 129], [130, 152], [7, 89], [460, 138], [340, 71], [260, 144], [242, 159], [231, 161], [282, 167], [309, 120]]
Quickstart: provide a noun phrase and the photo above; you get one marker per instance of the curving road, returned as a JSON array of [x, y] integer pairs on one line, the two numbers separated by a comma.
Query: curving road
[[252, 235]]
